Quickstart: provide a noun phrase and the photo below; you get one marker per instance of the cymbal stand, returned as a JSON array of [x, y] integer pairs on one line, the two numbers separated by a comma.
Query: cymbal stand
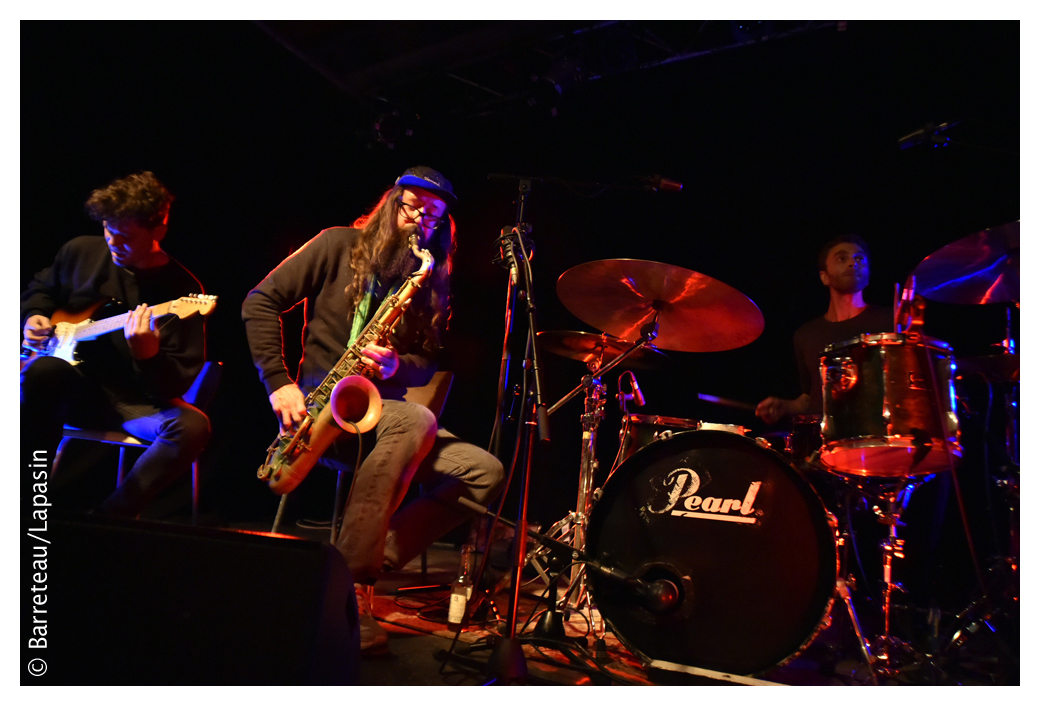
[[887, 653], [573, 527], [1010, 348]]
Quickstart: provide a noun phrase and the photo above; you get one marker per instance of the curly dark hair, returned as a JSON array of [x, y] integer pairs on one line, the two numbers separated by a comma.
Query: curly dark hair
[[821, 257], [140, 198], [378, 250]]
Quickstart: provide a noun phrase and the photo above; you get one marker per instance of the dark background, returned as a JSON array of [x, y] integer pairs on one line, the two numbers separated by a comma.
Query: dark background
[[779, 142]]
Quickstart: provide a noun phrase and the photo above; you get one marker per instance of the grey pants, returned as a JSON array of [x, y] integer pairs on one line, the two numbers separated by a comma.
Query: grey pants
[[407, 447]]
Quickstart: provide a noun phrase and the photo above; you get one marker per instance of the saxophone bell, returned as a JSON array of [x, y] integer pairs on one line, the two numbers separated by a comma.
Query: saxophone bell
[[356, 401]]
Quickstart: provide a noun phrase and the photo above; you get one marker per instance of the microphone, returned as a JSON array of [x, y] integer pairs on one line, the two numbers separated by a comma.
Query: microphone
[[928, 134], [658, 596], [637, 394], [658, 183], [506, 255], [513, 274]]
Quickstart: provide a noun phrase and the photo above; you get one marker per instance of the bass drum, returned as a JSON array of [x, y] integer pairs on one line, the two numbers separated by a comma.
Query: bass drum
[[740, 533]]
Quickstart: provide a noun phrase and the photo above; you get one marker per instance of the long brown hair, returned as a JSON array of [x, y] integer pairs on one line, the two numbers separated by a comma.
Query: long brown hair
[[377, 248]]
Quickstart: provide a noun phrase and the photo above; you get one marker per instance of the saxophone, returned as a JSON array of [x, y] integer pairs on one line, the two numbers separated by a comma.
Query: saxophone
[[346, 400]]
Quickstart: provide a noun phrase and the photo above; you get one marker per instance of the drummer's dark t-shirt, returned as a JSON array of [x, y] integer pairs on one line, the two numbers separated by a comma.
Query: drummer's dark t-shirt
[[814, 336]]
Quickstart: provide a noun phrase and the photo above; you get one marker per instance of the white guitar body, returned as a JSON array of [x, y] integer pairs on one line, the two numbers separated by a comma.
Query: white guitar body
[[62, 343]]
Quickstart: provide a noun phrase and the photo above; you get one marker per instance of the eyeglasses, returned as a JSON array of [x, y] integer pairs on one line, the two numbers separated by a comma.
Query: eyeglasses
[[413, 213]]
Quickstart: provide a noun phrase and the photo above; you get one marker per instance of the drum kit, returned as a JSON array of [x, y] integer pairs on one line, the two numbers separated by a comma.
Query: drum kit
[[740, 560]]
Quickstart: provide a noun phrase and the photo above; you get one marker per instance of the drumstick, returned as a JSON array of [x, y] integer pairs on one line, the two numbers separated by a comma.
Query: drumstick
[[726, 401]]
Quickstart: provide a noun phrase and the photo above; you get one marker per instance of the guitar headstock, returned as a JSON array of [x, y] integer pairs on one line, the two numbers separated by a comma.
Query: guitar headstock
[[193, 304]]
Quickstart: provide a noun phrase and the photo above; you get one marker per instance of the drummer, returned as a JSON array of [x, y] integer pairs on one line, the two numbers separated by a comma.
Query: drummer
[[844, 264]]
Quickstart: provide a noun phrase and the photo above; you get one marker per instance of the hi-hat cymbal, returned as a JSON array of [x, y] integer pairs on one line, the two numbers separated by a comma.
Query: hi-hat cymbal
[[979, 269], [586, 347], [695, 312]]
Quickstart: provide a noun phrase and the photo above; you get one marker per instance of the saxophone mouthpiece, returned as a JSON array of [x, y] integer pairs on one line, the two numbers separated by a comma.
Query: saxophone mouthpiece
[[413, 241]]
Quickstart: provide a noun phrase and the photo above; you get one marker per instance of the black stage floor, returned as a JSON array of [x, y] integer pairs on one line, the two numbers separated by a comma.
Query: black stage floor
[[422, 650], [157, 603]]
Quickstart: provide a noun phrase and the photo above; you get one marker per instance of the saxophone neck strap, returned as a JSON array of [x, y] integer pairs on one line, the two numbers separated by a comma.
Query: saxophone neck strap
[[363, 310]]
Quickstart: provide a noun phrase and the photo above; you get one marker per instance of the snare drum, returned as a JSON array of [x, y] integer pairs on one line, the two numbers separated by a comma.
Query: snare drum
[[637, 431], [883, 415]]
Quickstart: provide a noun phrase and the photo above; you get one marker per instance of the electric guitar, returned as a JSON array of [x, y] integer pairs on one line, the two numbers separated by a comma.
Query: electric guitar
[[72, 328]]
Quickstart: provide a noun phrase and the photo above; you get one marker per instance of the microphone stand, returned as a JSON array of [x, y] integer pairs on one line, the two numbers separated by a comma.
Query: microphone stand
[[507, 662]]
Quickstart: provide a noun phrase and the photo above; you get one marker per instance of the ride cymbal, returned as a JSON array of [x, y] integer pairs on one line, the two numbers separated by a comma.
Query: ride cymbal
[[979, 269], [695, 312]]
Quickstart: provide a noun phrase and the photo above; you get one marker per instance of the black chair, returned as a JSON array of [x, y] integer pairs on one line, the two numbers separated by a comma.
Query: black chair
[[200, 395]]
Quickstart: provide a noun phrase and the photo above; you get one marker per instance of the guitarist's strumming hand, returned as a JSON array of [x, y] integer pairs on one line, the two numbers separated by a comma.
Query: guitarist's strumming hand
[[38, 329], [289, 406], [141, 335]]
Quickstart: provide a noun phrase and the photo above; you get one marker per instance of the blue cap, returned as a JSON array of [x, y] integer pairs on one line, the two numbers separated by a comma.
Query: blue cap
[[429, 179]]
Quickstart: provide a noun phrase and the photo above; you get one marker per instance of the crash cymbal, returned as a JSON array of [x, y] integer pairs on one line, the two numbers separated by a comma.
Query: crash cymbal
[[586, 347], [979, 269], [695, 312]]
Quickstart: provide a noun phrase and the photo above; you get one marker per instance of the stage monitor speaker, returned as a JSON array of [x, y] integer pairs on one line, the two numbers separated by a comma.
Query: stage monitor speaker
[[136, 603]]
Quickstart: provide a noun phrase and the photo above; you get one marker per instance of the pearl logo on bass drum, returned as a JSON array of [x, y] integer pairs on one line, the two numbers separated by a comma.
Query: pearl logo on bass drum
[[677, 494]]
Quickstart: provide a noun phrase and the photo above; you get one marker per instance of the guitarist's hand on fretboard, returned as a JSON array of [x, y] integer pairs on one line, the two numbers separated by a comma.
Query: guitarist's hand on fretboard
[[141, 335], [38, 329]]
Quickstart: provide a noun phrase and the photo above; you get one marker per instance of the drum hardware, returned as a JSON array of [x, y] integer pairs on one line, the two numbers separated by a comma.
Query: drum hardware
[[919, 416], [982, 268], [656, 596], [984, 615], [843, 587], [572, 527], [885, 654], [626, 297]]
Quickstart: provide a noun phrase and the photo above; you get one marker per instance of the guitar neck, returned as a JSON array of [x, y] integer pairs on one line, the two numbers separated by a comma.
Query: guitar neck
[[104, 326]]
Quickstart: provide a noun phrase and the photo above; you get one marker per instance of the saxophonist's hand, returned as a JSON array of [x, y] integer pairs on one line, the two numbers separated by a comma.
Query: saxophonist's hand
[[383, 361], [289, 406]]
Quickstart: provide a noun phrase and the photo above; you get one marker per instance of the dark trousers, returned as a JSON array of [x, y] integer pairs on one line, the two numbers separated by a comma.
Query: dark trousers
[[55, 393]]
